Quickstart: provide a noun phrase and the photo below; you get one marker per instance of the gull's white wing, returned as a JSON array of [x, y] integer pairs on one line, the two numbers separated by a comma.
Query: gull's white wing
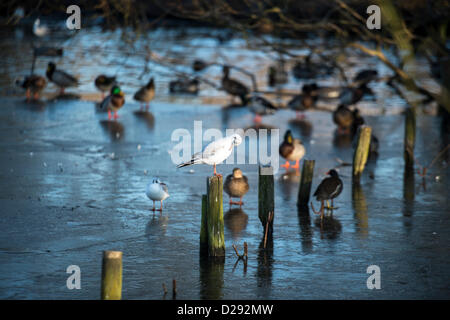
[[220, 145]]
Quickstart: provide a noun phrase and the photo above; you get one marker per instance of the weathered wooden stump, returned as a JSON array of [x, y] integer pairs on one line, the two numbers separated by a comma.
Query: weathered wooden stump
[[111, 275], [214, 216], [266, 195], [304, 190], [361, 152]]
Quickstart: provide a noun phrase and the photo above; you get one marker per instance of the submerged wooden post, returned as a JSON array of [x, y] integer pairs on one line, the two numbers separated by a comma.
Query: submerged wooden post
[[266, 196], [214, 218], [304, 190], [111, 275], [410, 137], [204, 227], [362, 151]]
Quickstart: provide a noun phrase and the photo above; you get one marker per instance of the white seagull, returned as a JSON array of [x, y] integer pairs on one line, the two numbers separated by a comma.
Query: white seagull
[[157, 191], [214, 153], [39, 30]]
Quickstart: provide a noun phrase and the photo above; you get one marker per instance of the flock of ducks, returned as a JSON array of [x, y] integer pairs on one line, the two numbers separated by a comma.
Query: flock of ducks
[[346, 118]]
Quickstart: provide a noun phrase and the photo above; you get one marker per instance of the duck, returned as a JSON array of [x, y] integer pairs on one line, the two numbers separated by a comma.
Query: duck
[[113, 102], [184, 86], [146, 94], [351, 95], [306, 100], [365, 76], [234, 87], [260, 106], [292, 150], [277, 74], [303, 69], [308, 69], [358, 121], [157, 191], [328, 189], [104, 83], [236, 186], [199, 65], [33, 84], [343, 117], [61, 78]]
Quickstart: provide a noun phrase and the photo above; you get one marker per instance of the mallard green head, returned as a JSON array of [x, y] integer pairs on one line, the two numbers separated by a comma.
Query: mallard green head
[[117, 91]]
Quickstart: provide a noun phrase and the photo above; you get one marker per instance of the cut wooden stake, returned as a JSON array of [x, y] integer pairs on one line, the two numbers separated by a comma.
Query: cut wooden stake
[[304, 190], [111, 275], [174, 288], [266, 196], [361, 152], [214, 219]]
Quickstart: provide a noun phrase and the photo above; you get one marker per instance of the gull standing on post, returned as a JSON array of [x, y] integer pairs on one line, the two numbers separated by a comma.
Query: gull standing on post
[[214, 153]]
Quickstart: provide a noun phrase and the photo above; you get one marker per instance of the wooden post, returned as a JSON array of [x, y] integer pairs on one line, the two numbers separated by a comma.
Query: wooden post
[[410, 137], [362, 151], [204, 227], [304, 190], [111, 275], [266, 196], [214, 219], [360, 210], [174, 289]]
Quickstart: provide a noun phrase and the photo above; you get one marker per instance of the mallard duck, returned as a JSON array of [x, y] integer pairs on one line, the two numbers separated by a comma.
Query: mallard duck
[[260, 106], [343, 117], [328, 189], [306, 100], [365, 76], [292, 150], [308, 69], [199, 65], [304, 69], [113, 102], [236, 186], [358, 121], [277, 74], [351, 95], [146, 94], [33, 84], [157, 191], [104, 83], [60, 78], [234, 87], [184, 86]]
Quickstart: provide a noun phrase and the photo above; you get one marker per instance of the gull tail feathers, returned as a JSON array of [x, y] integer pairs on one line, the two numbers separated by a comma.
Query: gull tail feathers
[[189, 163]]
